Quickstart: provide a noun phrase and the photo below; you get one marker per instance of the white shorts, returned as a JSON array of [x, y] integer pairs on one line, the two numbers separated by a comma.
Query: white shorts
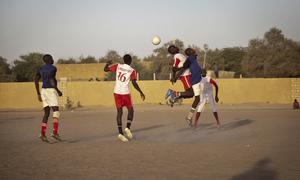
[[203, 99], [49, 97], [196, 89]]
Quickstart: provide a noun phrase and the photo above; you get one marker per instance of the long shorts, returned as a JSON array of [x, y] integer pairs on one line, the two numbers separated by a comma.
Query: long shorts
[[196, 89], [122, 100], [49, 97], [186, 81], [203, 99]]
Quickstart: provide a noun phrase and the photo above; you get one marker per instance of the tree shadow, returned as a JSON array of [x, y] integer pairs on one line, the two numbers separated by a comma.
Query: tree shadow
[[260, 171]]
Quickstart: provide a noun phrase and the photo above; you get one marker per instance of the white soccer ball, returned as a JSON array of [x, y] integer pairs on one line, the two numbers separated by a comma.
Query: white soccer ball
[[155, 40]]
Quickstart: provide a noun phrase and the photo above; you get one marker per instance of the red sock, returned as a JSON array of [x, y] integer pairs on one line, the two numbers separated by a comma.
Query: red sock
[[43, 129], [55, 125]]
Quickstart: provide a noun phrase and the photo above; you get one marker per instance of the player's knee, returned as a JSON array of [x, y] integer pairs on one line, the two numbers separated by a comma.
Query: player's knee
[[56, 114], [55, 108]]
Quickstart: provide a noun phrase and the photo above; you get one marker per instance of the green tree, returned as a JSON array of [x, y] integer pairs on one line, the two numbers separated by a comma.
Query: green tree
[[111, 55], [25, 69], [87, 60], [66, 61], [272, 56], [5, 71]]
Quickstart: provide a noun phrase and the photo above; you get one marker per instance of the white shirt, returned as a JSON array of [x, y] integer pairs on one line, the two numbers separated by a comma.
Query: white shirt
[[206, 85], [179, 60], [124, 73]]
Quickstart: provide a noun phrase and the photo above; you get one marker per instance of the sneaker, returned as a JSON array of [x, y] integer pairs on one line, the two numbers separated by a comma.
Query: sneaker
[[122, 138], [170, 93], [128, 133], [189, 121], [56, 136], [43, 138]]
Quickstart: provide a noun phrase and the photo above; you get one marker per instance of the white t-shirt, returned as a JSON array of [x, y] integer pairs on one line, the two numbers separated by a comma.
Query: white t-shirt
[[179, 60], [124, 73], [206, 85]]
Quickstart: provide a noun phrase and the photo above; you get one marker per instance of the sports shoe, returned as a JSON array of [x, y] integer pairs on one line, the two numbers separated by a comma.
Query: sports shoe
[[128, 133], [170, 93], [189, 121], [56, 136], [122, 138], [43, 138]]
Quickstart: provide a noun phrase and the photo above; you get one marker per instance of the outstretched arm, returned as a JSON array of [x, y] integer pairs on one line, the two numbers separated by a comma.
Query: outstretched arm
[[136, 86], [37, 86]]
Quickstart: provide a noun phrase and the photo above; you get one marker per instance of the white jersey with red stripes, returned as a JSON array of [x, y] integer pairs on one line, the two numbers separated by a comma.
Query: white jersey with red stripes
[[206, 85], [179, 60], [124, 73]]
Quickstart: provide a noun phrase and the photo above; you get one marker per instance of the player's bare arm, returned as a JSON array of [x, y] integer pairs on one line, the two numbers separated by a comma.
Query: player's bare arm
[[136, 86], [186, 65], [106, 67], [52, 82], [217, 91], [37, 86]]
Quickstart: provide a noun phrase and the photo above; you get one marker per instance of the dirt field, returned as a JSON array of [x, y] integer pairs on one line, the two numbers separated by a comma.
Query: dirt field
[[256, 142]]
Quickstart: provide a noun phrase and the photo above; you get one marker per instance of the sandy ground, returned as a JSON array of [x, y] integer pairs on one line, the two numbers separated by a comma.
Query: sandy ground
[[255, 142]]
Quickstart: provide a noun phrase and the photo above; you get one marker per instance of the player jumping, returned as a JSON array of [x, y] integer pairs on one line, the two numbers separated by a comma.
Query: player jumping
[[48, 95], [124, 73], [207, 95], [191, 64], [178, 61]]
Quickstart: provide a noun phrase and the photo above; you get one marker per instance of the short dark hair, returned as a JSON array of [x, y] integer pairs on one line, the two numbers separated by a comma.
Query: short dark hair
[[127, 59], [190, 51], [173, 49], [48, 59]]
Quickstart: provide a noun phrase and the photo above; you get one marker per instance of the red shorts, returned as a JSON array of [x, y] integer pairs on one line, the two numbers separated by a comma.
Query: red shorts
[[122, 100], [186, 81]]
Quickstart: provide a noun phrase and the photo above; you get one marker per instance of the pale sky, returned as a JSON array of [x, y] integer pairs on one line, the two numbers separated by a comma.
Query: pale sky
[[71, 28]]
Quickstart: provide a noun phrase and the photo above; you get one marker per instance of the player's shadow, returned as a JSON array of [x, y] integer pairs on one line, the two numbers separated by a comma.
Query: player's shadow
[[97, 137], [8, 120], [199, 127], [260, 171], [236, 124]]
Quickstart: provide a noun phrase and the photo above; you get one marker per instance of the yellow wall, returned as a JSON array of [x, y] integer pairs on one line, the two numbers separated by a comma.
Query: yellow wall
[[23, 95], [80, 71]]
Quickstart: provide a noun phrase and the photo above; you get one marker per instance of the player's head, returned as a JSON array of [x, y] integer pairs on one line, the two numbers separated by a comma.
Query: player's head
[[204, 72], [127, 59], [47, 58], [190, 52], [173, 49]]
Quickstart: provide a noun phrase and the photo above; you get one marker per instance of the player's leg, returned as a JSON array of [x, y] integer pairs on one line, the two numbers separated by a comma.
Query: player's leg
[[214, 109], [128, 104], [44, 124], [200, 109], [196, 89], [119, 106], [56, 115]]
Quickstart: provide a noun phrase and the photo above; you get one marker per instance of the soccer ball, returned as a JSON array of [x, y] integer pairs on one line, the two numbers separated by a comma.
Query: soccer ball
[[155, 40]]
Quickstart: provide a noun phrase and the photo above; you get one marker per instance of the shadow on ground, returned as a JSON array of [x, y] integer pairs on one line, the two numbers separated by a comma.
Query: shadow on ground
[[260, 171]]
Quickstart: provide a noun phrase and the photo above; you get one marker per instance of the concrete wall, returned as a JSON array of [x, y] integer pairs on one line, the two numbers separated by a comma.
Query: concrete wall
[[23, 95]]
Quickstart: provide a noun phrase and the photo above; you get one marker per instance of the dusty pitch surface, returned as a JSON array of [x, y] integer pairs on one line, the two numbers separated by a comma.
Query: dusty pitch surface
[[255, 142]]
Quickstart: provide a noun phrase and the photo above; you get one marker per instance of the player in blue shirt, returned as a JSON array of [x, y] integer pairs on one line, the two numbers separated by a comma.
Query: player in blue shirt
[[48, 95], [195, 79]]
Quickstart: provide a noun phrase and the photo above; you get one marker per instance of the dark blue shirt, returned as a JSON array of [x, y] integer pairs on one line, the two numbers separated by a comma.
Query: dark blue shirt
[[195, 69], [48, 72]]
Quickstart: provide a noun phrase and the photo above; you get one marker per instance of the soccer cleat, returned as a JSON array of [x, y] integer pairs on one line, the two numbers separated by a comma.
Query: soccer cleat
[[128, 133], [56, 136], [122, 138], [189, 121], [43, 138]]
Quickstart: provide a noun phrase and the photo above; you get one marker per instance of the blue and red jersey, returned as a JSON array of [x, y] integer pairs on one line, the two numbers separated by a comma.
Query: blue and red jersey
[[48, 72]]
